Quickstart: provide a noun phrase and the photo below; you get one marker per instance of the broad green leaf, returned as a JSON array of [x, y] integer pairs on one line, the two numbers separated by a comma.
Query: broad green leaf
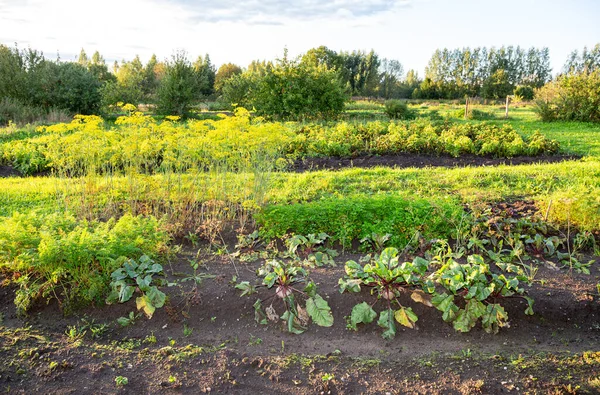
[[311, 289], [144, 303], [319, 311], [387, 256], [350, 285], [467, 318], [125, 293], [386, 321], [494, 318], [362, 313], [352, 268], [246, 288], [445, 303], [269, 279], [157, 297], [406, 317]]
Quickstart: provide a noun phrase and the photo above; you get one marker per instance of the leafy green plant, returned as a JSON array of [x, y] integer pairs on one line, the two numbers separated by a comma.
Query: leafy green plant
[[388, 279], [310, 249], [287, 278], [96, 329], [129, 320], [138, 276], [473, 294], [376, 241], [121, 381], [398, 109]]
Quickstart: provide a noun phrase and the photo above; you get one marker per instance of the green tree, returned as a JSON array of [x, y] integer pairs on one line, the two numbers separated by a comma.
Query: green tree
[[178, 88], [128, 85], [296, 90], [205, 75], [571, 97], [225, 72]]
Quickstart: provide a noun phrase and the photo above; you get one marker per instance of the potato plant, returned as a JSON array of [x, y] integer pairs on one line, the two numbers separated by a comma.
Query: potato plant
[[386, 277], [297, 292], [472, 293]]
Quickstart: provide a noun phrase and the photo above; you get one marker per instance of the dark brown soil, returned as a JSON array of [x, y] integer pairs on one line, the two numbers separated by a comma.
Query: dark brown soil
[[555, 348], [405, 160], [8, 171]]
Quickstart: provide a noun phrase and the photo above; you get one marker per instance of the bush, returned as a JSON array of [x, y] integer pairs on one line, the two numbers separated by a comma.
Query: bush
[[524, 93], [573, 97], [398, 109]]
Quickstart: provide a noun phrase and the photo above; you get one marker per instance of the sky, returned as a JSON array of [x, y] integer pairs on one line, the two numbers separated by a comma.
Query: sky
[[244, 30]]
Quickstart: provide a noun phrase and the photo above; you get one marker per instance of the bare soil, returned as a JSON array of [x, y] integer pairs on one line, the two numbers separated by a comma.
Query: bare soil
[[8, 171], [405, 160]]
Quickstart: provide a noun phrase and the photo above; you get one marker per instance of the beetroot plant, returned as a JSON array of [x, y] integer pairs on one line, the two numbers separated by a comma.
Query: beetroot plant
[[388, 279], [297, 292], [473, 293]]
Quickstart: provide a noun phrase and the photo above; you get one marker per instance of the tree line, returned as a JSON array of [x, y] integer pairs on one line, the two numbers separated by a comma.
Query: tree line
[[315, 84]]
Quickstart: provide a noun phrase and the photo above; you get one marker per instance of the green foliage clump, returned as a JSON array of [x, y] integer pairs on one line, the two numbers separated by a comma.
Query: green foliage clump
[[574, 97], [398, 109], [351, 219], [288, 90], [179, 88], [389, 279], [57, 257], [140, 276], [478, 290], [524, 93]]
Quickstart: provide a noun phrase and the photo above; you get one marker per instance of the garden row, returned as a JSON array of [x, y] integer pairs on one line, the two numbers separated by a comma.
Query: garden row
[[139, 143], [79, 263]]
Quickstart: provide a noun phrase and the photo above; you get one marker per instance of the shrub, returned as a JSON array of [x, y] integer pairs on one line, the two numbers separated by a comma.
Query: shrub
[[398, 109], [523, 92], [574, 97]]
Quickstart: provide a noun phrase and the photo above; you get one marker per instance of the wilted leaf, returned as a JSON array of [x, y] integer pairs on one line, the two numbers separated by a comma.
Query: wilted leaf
[[272, 314], [406, 317], [302, 315], [144, 303], [421, 297]]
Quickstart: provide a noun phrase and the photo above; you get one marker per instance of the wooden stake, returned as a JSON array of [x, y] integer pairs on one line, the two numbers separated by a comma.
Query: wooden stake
[[467, 107], [506, 113]]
